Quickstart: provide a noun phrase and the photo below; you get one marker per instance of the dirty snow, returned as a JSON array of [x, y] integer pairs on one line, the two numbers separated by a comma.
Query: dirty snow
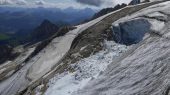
[[24, 55], [85, 70], [17, 81]]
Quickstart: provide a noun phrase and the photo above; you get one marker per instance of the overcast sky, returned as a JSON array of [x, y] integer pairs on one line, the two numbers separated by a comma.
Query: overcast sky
[[65, 3]]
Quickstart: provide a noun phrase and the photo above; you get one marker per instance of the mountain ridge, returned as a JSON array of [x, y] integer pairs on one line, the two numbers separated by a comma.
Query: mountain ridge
[[87, 42]]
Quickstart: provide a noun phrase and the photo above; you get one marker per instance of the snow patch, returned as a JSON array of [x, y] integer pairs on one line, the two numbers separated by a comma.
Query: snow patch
[[83, 48], [157, 14], [156, 25]]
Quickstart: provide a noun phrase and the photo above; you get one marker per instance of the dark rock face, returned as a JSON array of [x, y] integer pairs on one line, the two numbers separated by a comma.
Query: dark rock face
[[146, 1], [45, 30], [108, 10], [131, 32], [134, 2], [6, 53]]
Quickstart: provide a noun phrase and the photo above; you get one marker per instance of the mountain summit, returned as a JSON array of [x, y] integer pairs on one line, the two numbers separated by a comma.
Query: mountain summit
[[44, 31]]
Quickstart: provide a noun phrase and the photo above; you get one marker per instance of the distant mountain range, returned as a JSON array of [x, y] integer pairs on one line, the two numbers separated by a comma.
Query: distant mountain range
[[108, 10], [118, 6], [17, 23], [21, 25]]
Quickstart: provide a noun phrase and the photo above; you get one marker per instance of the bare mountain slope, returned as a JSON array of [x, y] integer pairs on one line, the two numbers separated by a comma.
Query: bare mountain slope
[[76, 58]]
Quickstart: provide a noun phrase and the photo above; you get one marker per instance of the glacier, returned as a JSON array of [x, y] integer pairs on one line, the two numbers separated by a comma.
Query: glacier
[[67, 66], [144, 70]]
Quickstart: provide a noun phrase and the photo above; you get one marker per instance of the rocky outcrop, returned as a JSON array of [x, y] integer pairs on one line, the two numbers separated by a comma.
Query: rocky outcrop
[[134, 2], [7, 53]]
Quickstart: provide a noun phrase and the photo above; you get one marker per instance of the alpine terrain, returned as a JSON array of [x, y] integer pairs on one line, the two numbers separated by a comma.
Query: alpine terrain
[[120, 52]]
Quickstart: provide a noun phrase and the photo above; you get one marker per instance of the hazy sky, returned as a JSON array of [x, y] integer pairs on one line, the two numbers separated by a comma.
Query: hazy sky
[[65, 3]]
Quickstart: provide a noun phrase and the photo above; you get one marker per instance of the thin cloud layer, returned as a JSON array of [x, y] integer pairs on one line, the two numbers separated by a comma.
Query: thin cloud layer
[[40, 2], [20, 2], [5, 2], [99, 3], [13, 2]]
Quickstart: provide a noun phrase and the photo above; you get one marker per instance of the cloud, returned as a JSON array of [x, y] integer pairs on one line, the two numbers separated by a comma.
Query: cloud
[[40, 2], [122, 1], [5, 2], [13, 2], [91, 2], [105, 3], [20, 2]]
